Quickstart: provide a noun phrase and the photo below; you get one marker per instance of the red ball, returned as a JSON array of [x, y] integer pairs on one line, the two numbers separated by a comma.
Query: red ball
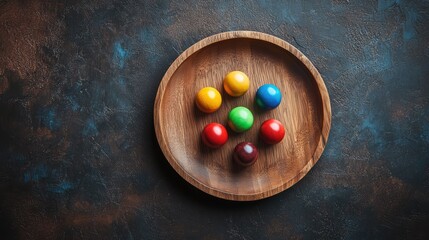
[[214, 135], [272, 131]]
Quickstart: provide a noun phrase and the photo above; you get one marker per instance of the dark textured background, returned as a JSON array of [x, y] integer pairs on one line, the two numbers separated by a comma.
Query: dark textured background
[[79, 157]]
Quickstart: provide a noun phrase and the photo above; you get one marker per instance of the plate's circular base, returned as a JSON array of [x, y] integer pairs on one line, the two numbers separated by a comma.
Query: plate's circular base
[[304, 111]]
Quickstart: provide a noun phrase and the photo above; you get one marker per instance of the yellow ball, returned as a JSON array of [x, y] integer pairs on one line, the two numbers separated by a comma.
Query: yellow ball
[[236, 83], [208, 99]]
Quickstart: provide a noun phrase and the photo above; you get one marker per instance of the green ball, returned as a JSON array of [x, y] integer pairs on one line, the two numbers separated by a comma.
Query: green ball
[[240, 119]]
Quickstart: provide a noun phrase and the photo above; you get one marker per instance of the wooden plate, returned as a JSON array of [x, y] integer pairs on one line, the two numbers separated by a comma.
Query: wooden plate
[[305, 112]]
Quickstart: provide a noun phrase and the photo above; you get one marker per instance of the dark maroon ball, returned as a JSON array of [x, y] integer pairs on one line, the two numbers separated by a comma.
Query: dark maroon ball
[[245, 153]]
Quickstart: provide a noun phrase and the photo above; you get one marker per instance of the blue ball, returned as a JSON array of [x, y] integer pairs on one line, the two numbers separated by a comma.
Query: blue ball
[[268, 96]]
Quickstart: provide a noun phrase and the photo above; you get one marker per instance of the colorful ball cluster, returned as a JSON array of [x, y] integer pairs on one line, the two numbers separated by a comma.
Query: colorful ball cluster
[[240, 119]]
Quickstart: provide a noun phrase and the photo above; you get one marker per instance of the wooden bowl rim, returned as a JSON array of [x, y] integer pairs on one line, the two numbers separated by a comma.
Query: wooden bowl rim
[[159, 128]]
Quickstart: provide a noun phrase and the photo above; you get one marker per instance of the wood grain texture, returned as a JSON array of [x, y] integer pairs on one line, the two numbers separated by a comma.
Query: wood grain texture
[[305, 112]]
